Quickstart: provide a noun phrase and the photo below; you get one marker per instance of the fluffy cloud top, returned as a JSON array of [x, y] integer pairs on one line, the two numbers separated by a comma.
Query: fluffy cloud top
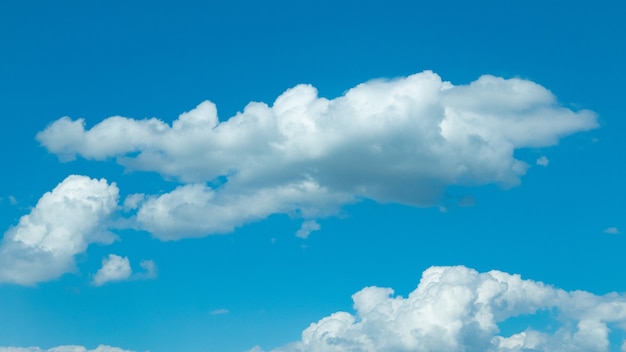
[[458, 309], [63, 223], [101, 348], [401, 140]]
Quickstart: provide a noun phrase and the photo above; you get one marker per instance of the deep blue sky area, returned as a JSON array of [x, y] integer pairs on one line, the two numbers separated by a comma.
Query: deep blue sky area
[[260, 284]]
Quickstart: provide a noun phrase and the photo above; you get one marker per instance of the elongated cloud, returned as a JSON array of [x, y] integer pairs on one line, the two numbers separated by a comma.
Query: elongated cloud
[[458, 309], [194, 210], [72, 348], [403, 140], [64, 222]]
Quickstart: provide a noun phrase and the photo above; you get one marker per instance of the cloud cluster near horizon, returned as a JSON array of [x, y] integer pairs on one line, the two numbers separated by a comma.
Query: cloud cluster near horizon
[[402, 140], [69, 348], [453, 309], [459, 309]]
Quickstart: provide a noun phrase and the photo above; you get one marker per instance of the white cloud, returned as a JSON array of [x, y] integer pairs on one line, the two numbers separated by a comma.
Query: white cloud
[[101, 348], [402, 140], [220, 311], [543, 161], [459, 309], [150, 270], [306, 228], [195, 210], [132, 201], [114, 268], [63, 223], [255, 349], [612, 231]]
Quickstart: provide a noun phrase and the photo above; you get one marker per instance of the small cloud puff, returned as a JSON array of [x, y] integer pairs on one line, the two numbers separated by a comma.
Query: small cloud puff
[[220, 311], [255, 349], [306, 229], [543, 161], [116, 268], [133, 201], [150, 270], [612, 230]]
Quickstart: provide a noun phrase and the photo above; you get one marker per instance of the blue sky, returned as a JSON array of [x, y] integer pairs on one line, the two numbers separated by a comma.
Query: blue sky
[[185, 238]]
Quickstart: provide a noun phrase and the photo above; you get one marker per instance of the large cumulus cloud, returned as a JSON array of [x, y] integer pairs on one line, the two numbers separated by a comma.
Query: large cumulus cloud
[[402, 140], [459, 309]]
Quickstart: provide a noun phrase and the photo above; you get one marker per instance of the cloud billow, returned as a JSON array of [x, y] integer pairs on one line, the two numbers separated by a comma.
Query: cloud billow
[[65, 221], [402, 140], [459, 309]]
